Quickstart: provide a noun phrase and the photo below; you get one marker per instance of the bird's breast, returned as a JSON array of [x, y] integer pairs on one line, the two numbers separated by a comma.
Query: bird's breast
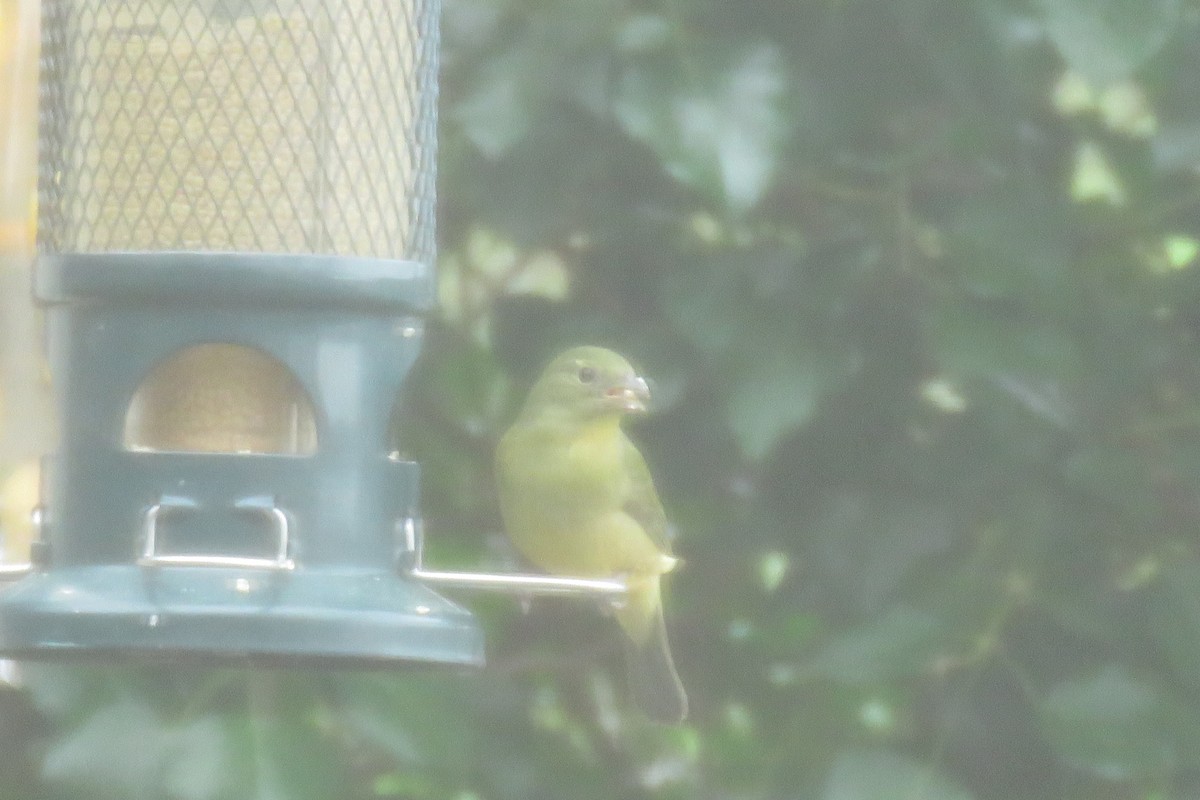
[[563, 496], [560, 475]]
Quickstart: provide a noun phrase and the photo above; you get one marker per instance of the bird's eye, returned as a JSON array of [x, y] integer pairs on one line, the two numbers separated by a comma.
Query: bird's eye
[[587, 374]]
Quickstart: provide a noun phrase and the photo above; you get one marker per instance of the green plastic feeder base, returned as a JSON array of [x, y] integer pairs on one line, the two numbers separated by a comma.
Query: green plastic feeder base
[[156, 546], [359, 617]]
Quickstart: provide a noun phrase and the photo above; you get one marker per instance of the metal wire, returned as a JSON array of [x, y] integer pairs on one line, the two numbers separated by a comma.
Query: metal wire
[[507, 582], [288, 126]]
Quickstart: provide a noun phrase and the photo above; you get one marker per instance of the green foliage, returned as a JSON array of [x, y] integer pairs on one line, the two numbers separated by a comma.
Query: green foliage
[[881, 775], [917, 284], [1107, 40]]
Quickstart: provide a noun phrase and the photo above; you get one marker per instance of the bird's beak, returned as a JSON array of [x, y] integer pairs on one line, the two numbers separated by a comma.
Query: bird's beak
[[631, 395]]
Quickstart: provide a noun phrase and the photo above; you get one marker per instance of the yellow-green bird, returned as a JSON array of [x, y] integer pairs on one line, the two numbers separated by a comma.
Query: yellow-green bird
[[577, 499]]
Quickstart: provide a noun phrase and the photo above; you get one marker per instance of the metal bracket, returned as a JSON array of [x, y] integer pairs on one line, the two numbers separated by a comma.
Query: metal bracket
[[264, 506], [507, 582]]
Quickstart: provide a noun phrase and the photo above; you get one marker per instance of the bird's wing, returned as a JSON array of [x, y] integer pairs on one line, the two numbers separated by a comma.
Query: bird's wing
[[642, 502]]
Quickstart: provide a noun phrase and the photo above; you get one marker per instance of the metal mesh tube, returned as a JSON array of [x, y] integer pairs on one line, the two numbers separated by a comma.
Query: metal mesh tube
[[266, 126]]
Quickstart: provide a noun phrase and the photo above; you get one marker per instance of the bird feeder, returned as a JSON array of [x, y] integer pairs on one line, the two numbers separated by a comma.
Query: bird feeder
[[236, 237]]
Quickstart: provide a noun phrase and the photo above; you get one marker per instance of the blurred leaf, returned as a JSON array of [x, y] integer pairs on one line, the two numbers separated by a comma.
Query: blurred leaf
[[718, 127], [903, 537], [118, 751], [58, 691], [497, 115], [1176, 617], [1034, 361], [883, 775], [644, 32], [1126, 110], [771, 397], [1108, 40], [1094, 178], [201, 764], [546, 59], [1114, 476], [702, 304], [416, 719], [901, 642], [1180, 251], [1008, 242], [1175, 99], [1112, 724], [288, 758], [867, 546], [127, 751]]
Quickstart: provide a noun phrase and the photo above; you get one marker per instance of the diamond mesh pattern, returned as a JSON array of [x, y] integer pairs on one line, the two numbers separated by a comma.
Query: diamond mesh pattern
[[287, 126]]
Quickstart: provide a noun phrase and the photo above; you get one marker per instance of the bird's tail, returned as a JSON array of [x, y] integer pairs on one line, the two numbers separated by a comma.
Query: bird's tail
[[653, 680]]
